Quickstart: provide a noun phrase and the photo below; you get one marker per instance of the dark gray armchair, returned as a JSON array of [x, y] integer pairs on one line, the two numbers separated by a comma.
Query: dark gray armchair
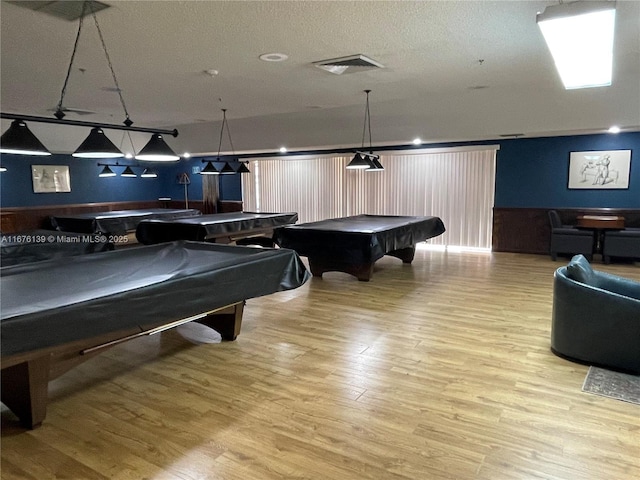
[[566, 239], [596, 317], [621, 243]]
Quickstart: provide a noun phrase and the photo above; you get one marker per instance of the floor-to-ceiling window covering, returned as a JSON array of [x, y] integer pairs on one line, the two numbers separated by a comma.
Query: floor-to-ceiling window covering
[[455, 185]]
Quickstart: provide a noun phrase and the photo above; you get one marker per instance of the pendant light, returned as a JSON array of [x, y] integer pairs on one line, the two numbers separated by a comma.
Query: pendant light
[[128, 172], [106, 172], [157, 150], [243, 168], [149, 173], [363, 160], [97, 145], [18, 139], [209, 169]]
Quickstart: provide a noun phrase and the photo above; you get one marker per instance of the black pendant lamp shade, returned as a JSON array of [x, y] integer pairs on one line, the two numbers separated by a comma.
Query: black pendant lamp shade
[[149, 173], [358, 161], [227, 169], [106, 172], [209, 169], [97, 145], [376, 165], [18, 139], [243, 168], [128, 172], [157, 150], [3, 169]]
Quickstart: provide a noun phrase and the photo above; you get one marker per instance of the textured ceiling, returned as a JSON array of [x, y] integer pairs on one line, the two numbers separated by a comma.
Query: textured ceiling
[[433, 85]]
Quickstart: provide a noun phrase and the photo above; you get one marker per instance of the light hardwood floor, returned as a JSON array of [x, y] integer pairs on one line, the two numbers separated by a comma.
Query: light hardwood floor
[[438, 370]]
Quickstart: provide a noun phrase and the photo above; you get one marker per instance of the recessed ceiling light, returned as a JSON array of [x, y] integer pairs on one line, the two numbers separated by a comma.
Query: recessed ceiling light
[[273, 57], [417, 141], [186, 155], [614, 129], [283, 149]]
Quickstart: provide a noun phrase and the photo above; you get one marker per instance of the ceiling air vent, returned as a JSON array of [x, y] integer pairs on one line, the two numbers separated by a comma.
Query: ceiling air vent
[[350, 64], [67, 9]]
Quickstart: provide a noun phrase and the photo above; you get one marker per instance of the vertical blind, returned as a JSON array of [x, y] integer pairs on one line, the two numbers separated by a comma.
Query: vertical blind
[[455, 185]]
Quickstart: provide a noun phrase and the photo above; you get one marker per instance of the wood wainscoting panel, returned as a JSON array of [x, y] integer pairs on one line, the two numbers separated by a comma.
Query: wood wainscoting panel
[[527, 230]]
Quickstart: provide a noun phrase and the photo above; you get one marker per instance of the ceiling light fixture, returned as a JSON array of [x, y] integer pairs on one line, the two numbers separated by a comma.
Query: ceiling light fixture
[[362, 160], [580, 38], [614, 129], [107, 172], [243, 168], [127, 172], [209, 169], [19, 140], [3, 169]]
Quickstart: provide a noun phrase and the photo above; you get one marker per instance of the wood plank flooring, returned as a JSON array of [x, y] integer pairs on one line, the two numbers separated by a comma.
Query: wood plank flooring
[[438, 370]]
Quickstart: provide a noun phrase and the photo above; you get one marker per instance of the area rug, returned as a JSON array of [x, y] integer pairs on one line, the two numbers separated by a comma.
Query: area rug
[[619, 386]]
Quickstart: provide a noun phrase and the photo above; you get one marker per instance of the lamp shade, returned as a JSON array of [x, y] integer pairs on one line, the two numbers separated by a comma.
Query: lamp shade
[[580, 38], [3, 169], [97, 145], [227, 169], [127, 172], [157, 150], [148, 173], [209, 169], [106, 172], [358, 162], [243, 168], [376, 165], [18, 139]]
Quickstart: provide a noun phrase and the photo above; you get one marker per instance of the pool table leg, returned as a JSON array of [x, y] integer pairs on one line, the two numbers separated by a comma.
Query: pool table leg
[[25, 390], [362, 272], [404, 254], [226, 322]]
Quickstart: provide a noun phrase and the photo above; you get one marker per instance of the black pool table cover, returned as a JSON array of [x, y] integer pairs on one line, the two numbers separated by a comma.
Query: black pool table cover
[[57, 301], [203, 227], [358, 239], [115, 222], [39, 245]]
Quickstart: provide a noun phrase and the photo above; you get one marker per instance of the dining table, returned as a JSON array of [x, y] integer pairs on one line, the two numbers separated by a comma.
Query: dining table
[[598, 224]]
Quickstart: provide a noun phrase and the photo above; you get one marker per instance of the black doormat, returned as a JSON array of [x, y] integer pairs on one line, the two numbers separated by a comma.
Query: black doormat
[[620, 386]]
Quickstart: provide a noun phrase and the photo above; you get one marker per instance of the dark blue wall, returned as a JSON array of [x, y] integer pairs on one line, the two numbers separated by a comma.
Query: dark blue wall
[[530, 173], [534, 172], [16, 189]]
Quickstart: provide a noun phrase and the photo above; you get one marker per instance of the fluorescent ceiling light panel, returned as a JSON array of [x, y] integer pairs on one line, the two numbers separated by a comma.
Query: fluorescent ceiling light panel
[[580, 38]]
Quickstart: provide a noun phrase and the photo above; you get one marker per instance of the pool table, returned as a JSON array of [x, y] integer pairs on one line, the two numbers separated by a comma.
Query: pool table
[[57, 313], [37, 245], [353, 244], [219, 228], [115, 222]]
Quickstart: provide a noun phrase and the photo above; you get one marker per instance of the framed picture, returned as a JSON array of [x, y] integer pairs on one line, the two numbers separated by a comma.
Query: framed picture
[[50, 178], [608, 169]]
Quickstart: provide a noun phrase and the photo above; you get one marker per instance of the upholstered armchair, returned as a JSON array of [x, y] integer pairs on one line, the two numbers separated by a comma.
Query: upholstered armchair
[[621, 243], [596, 317], [566, 239]]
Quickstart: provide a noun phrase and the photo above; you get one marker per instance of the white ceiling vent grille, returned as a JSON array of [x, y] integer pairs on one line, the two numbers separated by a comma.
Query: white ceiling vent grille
[[65, 9], [350, 64]]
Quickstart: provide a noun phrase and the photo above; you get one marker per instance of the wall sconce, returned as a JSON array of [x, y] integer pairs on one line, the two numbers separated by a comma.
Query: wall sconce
[[18, 139]]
